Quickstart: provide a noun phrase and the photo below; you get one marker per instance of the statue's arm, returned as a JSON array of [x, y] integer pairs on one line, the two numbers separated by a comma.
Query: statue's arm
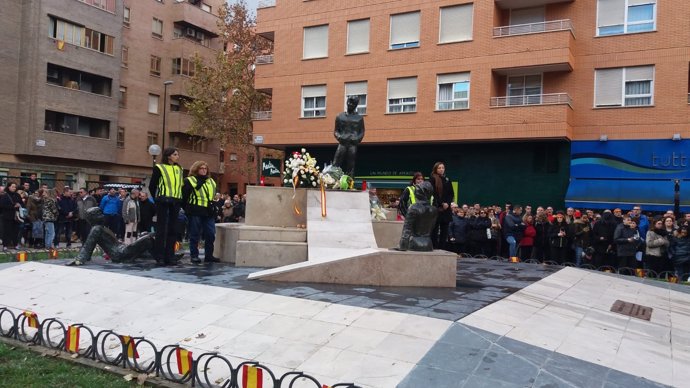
[[360, 131]]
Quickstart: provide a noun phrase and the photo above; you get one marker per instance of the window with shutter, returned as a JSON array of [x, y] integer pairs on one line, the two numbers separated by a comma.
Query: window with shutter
[[456, 23], [358, 36], [357, 89], [402, 95], [314, 101], [453, 91], [315, 42], [404, 30]]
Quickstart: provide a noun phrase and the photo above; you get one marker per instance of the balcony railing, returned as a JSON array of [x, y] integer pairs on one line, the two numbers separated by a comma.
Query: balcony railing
[[532, 99], [264, 59], [261, 115], [266, 3], [533, 28]]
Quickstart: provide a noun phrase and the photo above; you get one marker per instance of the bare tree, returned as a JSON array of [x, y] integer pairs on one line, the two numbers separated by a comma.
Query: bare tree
[[222, 93]]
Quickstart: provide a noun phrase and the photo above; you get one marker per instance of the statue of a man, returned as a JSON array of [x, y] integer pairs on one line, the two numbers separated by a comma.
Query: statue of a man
[[419, 221], [349, 131], [102, 236]]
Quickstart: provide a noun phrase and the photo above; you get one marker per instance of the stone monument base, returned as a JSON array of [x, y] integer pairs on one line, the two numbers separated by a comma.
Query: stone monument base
[[381, 268]]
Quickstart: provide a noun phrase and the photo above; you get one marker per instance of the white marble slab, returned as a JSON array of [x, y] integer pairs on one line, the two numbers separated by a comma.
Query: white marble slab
[[569, 312], [335, 343]]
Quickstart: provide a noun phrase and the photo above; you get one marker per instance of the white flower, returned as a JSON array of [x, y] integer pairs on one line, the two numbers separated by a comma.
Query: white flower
[[304, 150], [312, 177], [285, 180], [313, 184]]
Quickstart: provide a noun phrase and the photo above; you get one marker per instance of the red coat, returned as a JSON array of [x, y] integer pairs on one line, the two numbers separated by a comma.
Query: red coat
[[528, 236]]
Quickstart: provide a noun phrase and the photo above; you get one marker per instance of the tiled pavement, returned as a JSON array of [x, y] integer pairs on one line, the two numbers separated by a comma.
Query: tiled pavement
[[376, 336]]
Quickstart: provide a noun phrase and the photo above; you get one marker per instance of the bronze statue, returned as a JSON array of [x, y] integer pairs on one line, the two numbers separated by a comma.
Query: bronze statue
[[419, 221], [102, 236], [349, 131]]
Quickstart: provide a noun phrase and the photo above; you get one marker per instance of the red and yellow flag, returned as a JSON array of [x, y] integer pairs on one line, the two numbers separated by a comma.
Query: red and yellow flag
[[131, 348], [252, 377], [184, 361], [31, 318], [72, 340], [22, 256], [53, 254], [326, 386]]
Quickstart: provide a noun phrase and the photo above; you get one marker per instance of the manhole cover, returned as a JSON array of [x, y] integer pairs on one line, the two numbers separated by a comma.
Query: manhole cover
[[632, 309]]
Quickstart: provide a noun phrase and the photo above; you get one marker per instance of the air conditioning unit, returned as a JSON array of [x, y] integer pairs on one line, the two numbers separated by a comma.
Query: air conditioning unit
[[190, 32]]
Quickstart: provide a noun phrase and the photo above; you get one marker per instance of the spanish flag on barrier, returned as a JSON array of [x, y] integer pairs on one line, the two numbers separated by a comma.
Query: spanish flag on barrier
[[72, 340], [31, 318], [131, 348], [252, 377], [184, 361]]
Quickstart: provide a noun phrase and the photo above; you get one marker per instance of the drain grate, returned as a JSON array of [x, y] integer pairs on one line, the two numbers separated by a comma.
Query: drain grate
[[632, 309]]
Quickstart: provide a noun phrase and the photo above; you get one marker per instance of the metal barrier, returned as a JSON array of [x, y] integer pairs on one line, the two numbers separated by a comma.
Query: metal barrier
[[533, 28], [172, 362]]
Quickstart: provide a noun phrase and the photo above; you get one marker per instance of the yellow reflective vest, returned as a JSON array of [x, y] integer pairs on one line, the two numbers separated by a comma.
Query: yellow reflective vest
[[170, 184], [204, 196], [413, 199]]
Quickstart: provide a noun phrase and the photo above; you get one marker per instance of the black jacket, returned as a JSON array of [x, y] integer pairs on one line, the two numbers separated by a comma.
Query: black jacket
[[446, 196], [458, 229], [477, 229], [7, 202], [554, 239], [624, 246], [679, 250]]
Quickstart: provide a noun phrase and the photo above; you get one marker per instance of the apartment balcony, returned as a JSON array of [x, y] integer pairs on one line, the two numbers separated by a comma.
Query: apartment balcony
[[532, 99], [534, 28], [266, 4], [509, 4], [264, 59], [185, 13], [262, 115], [177, 122]]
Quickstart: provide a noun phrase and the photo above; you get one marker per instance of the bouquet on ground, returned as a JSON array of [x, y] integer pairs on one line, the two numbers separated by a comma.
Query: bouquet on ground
[[301, 170], [334, 178]]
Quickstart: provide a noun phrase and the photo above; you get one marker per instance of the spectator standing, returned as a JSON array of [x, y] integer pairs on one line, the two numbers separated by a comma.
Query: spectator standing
[[111, 207], [582, 231], [35, 207], [166, 189], [627, 239], [131, 215], [558, 238], [218, 203], [541, 238], [10, 203], [643, 221], [656, 257], [198, 192], [679, 251], [528, 236], [147, 210], [602, 239], [33, 183], [227, 211], [457, 230], [50, 216], [443, 196], [480, 234], [67, 210], [495, 233], [84, 203], [513, 228]]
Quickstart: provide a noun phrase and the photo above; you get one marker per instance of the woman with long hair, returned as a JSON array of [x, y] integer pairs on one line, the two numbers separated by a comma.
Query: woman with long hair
[[166, 189], [10, 203], [443, 196]]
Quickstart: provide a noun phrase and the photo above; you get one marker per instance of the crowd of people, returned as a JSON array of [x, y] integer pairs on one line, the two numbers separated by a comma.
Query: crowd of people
[[34, 215], [608, 238]]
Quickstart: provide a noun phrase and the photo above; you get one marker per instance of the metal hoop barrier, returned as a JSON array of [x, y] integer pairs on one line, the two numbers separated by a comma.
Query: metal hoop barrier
[[465, 255], [172, 362], [484, 257]]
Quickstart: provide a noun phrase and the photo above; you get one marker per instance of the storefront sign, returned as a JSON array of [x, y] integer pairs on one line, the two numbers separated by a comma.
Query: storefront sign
[[270, 167]]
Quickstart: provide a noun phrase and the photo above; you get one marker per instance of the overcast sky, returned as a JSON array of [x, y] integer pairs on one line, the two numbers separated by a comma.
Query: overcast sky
[[251, 4]]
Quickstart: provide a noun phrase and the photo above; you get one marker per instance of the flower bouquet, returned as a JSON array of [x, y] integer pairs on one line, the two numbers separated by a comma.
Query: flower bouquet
[[301, 170], [334, 178]]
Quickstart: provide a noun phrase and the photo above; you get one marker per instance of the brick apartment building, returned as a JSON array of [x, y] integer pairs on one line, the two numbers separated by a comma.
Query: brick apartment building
[[84, 86], [535, 101]]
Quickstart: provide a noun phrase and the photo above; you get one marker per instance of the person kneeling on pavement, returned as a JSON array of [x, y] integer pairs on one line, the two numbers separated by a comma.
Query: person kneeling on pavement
[[198, 192]]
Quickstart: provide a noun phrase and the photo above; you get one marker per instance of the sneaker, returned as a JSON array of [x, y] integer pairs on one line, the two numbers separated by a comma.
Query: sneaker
[[212, 260], [196, 260]]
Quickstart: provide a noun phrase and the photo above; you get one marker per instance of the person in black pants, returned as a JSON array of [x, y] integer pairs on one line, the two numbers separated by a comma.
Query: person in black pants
[[443, 196], [166, 189], [10, 202]]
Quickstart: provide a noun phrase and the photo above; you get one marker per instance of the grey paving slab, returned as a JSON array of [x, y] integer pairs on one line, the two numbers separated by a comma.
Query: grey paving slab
[[480, 283], [482, 359]]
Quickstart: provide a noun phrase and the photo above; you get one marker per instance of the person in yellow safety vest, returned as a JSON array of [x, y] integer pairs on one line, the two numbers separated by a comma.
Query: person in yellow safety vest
[[407, 197], [198, 192], [166, 190]]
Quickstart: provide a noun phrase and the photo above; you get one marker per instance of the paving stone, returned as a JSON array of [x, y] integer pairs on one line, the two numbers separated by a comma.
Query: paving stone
[[498, 364], [547, 380], [425, 376]]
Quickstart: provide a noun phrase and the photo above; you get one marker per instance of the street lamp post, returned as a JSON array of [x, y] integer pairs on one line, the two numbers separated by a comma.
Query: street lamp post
[[154, 150], [165, 106]]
